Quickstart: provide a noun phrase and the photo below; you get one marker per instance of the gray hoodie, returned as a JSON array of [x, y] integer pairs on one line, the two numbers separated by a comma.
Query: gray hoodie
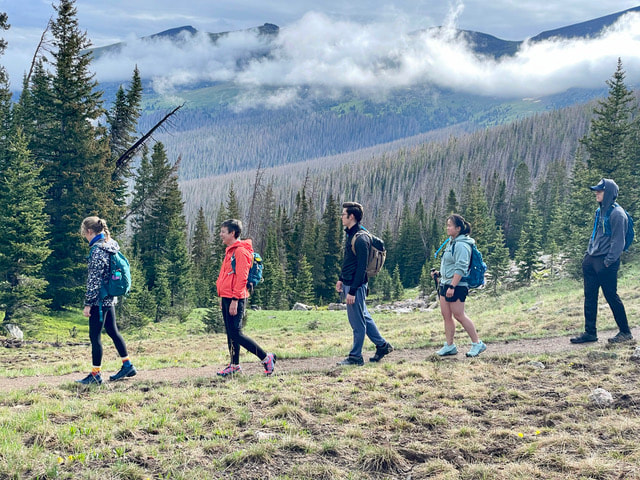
[[609, 244]]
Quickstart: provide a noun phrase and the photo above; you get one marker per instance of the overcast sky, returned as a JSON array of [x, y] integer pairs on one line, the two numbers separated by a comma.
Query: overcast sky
[[336, 44]]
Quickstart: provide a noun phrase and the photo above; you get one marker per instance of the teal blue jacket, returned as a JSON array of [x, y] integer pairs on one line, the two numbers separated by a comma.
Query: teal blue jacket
[[458, 261]]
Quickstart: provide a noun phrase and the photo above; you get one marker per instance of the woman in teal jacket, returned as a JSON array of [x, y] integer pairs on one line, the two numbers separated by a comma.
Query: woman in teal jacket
[[453, 289]]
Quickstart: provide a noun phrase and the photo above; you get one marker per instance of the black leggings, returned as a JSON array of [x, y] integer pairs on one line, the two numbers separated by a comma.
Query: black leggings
[[235, 337], [95, 331]]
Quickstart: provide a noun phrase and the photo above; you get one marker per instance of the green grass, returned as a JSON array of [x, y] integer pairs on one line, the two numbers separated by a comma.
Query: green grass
[[496, 417]]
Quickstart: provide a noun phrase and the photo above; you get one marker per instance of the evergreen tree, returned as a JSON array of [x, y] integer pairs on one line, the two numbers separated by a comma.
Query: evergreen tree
[[202, 261], [452, 203], [135, 310], [577, 223], [527, 257], [23, 248], [233, 207], [332, 254], [412, 249], [496, 256], [304, 283], [123, 120], [426, 282], [273, 290], [519, 207], [72, 150], [383, 285], [397, 289], [179, 264], [609, 132]]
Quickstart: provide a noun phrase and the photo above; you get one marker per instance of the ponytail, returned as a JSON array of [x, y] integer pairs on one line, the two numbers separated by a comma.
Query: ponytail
[[97, 225], [458, 221]]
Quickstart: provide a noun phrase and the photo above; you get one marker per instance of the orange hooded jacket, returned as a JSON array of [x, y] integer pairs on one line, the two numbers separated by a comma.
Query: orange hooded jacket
[[230, 284]]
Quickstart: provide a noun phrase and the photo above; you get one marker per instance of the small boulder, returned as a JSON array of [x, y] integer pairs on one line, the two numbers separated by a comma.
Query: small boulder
[[601, 398], [301, 307], [14, 331]]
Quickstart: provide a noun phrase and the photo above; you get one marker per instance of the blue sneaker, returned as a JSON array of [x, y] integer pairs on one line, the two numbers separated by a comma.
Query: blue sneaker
[[447, 350], [91, 379], [125, 371], [476, 349]]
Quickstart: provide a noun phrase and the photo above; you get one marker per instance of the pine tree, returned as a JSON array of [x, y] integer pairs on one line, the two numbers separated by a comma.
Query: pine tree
[[496, 256], [426, 282], [383, 285], [272, 293], [233, 207], [396, 284], [411, 261], [452, 203], [609, 131], [527, 256], [304, 283], [23, 248], [123, 120], [72, 150], [202, 261], [519, 207], [332, 253], [179, 264]]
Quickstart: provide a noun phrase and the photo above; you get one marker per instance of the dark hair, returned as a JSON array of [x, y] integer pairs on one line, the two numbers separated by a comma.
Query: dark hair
[[233, 225], [354, 209], [458, 221]]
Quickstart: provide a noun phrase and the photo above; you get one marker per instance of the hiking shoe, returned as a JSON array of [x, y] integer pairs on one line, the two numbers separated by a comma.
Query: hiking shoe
[[230, 370], [447, 350], [91, 379], [584, 338], [385, 349], [476, 349], [621, 337], [269, 362], [352, 361], [128, 371]]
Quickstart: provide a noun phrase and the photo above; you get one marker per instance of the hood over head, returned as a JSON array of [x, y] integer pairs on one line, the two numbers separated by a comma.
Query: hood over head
[[610, 189]]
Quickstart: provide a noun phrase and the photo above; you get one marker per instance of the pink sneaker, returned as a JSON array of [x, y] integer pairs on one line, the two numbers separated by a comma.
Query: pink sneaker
[[230, 370], [269, 363]]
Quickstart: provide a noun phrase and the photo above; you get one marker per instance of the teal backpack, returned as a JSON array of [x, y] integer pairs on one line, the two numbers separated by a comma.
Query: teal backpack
[[119, 282]]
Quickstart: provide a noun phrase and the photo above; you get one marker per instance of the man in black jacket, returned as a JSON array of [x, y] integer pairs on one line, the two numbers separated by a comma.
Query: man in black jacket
[[601, 263], [353, 286]]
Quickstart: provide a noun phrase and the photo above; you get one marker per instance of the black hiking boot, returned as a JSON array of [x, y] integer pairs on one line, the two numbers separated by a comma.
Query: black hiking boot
[[358, 361], [621, 337], [385, 349], [584, 338]]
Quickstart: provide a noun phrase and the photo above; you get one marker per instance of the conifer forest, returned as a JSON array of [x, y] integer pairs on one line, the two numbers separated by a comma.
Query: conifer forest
[[66, 153]]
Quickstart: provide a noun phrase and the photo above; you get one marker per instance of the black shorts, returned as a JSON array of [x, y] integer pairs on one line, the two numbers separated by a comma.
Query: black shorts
[[460, 293]]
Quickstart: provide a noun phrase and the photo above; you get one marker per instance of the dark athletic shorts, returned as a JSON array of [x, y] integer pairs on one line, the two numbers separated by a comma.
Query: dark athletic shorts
[[460, 293]]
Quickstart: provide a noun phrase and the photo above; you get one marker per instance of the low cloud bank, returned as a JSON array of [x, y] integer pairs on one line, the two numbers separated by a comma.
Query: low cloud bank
[[330, 56]]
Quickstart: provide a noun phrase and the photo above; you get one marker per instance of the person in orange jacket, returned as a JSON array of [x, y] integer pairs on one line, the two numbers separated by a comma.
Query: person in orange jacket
[[233, 293]]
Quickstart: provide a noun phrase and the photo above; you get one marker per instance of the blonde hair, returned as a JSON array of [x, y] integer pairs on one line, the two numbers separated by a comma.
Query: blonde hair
[[96, 225]]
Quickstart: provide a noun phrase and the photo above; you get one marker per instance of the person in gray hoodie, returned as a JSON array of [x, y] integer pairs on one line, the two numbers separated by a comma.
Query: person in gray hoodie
[[601, 263], [453, 290]]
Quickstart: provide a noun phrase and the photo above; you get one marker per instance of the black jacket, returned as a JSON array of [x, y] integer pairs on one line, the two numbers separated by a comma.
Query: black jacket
[[354, 266]]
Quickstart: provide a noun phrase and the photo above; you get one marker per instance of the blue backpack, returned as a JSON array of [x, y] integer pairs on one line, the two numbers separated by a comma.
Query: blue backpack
[[119, 282], [477, 267], [255, 272], [628, 238]]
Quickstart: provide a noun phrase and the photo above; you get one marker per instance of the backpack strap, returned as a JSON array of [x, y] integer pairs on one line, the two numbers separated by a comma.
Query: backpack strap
[[361, 231]]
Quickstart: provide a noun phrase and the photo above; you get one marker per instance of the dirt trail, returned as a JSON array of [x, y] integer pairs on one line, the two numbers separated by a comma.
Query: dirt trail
[[176, 375]]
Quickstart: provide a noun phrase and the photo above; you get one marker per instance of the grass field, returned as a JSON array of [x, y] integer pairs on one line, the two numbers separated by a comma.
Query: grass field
[[495, 417]]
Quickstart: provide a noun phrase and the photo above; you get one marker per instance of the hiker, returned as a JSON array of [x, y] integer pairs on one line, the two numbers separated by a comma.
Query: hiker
[[601, 263], [352, 286], [101, 310], [453, 290], [232, 290]]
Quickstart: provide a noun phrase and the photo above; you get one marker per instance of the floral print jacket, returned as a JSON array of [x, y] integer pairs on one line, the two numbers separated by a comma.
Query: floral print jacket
[[99, 272]]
